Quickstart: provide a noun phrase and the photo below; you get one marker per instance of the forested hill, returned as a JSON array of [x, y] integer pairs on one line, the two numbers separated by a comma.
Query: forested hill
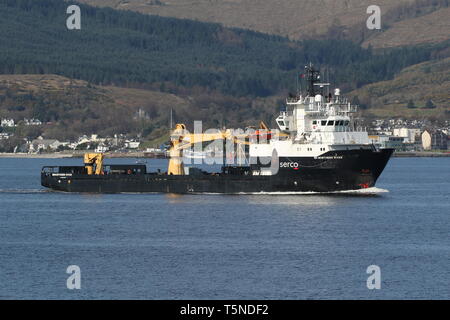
[[130, 49], [404, 22]]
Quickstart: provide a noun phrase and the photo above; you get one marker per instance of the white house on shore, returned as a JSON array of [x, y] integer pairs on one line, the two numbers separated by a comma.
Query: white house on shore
[[4, 135], [41, 144], [132, 144], [409, 135], [7, 123], [32, 122], [101, 148], [434, 140]]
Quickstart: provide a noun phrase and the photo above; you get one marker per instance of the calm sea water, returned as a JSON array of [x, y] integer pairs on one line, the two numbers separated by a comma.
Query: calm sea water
[[158, 246]]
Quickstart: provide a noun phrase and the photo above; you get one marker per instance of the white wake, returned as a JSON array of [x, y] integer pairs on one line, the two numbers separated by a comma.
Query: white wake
[[366, 191]]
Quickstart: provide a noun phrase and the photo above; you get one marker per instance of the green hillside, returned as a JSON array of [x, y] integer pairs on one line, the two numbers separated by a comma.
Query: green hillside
[[70, 108], [306, 19], [131, 49], [419, 91]]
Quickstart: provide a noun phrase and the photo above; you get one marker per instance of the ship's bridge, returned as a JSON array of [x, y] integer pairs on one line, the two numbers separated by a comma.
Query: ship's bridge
[[333, 123], [319, 116], [320, 104], [317, 113]]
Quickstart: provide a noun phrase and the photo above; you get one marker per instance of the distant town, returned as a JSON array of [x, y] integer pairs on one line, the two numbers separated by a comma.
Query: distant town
[[119, 143], [406, 136], [410, 135]]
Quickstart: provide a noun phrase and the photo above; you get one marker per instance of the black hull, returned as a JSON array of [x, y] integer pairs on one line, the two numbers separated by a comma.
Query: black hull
[[334, 171]]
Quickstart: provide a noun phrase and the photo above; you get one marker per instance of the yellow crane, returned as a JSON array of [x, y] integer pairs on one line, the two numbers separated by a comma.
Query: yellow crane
[[181, 139], [91, 160]]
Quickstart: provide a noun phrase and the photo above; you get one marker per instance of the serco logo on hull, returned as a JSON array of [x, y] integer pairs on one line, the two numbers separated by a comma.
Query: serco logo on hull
[[288, 164]]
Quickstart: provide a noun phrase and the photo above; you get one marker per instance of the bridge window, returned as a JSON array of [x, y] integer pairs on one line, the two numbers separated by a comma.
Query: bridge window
[[324, 122], [331, 123]]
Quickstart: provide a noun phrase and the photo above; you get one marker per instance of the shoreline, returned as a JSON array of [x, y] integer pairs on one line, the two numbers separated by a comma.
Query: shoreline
[[157, 156], [424, 154], [80, 155]]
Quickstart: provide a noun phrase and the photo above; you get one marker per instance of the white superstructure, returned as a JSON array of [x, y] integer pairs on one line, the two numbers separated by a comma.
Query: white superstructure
[[314, 124]]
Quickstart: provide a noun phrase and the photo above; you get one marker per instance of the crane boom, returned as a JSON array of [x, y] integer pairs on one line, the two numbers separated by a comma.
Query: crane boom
[[91, 159], [181, 139]]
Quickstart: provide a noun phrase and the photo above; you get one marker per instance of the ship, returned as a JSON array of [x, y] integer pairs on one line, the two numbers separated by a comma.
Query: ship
[[317, 147]]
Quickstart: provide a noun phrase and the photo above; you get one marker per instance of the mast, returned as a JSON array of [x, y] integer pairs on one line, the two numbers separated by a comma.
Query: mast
[[312, 77]]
